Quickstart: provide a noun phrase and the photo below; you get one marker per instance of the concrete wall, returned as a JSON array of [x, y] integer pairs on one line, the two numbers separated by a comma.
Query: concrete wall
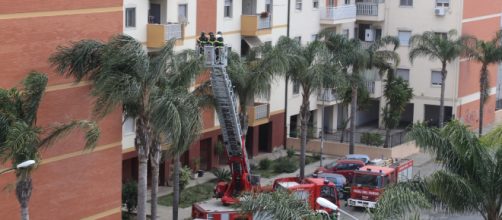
[[341, 149]]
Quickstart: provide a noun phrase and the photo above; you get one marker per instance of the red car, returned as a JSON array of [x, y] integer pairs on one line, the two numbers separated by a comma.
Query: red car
[[342, 167]]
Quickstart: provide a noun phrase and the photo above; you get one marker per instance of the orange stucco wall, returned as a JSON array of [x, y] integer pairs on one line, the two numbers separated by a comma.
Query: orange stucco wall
[[476, 8], [469, 112]]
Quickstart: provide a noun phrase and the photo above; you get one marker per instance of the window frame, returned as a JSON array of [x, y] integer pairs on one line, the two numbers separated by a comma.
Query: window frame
[[443, 3], [186, 11], [401, 43], [127, 15], [298, 5], [405, 69], [408, 3], [315, 4], [229, 7], [296, 88], [433, 84]]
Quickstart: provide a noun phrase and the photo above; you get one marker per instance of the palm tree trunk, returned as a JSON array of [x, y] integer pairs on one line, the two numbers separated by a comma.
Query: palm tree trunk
[[387, 138], [143, 148], [176, 186], [304, 117], [483, 84], [441, 99], [23, 194], [155, 163], [353, 111]]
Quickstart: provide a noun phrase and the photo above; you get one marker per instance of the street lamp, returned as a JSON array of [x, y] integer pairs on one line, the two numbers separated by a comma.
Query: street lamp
[[22, 165], [327, 204]]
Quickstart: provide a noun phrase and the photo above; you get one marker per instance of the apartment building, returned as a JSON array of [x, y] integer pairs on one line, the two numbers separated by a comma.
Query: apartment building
[[245, 25], [69, 183], [368, 20]]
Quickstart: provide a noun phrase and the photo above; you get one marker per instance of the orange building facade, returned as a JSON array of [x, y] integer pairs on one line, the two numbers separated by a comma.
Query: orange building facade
[[69, 183]]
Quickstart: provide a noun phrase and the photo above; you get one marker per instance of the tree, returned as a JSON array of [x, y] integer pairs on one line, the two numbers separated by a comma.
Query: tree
[[438, 47], [122, 74], [22, 139], [353, 59], [469, 180], [398, 94], [312, 67], [486, 53]]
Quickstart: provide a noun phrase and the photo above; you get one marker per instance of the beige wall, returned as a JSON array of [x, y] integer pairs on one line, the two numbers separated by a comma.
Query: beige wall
[[341, 149]]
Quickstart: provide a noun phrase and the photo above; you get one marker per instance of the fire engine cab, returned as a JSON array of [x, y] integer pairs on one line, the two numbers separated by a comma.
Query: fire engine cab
[[370, 181]]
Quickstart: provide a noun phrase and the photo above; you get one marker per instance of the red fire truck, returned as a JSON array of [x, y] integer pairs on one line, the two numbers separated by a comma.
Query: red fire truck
[[370, 181], [242, 181]]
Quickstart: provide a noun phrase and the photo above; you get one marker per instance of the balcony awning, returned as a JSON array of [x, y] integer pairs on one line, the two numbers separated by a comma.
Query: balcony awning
[[253, 41]]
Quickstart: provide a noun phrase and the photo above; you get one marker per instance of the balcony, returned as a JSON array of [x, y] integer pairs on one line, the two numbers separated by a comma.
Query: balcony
[[328, 96], [370, 10], [258, 114], [338, 15], [158, 34], [255, 25]]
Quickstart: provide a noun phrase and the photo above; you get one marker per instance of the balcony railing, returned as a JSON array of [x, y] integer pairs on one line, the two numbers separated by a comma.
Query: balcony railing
[[367, 9], [258, 112], [254, 25], [339, 13], [158, 34], [326, 95]]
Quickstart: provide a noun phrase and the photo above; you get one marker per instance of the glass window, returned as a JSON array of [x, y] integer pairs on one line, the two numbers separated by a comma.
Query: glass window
[[436, 78], [182, 12], [130, 17], [441, 34], [404, 74], [346, 33], [406, 2], [366, 180], [268, 6], [298, 5], [347, 2], [315, 3], [443, 3], [296, 88], [128, 126], [313, 37], [298, 39], [228, 8], [404, 37]]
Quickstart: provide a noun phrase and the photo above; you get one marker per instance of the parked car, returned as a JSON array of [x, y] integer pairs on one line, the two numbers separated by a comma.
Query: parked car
[[343, 167], [362, 157], [339, 180]]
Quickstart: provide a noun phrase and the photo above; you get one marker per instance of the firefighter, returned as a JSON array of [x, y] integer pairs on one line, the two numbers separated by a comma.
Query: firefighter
[[219, 46], [212, 39], [202, 41]]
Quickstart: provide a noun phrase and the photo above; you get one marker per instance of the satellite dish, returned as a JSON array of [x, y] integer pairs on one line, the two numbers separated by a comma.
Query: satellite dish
[[326, 203]]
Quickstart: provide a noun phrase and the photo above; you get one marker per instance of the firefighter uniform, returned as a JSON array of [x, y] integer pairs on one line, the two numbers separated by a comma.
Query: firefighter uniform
[[202, 41], [219, 46]]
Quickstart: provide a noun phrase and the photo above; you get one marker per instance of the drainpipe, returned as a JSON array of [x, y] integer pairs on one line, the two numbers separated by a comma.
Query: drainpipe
[[285, 138]]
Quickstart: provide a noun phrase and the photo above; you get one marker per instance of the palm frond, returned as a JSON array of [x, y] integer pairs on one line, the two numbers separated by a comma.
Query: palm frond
[[34, 88], [278, 205], [92, 133], [20, 143]]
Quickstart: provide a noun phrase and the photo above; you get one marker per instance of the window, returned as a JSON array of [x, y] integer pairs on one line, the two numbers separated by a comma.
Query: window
[[296, 88], [298, 39], [441, 34], [130, 17], [227, 10], [298, 5], [268, 6], [436, 78], [443, 3], [129, 126], [347, 2], [315, 3], [406, 2], [346, 33], [183, 12], [404, 74], [314, 37], [404, 37]]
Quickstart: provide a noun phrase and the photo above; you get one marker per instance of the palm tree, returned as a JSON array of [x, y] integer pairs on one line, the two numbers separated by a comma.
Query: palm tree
[[122, 74], [486, 53], [469, 180], [20, 137], [438, 47], [312, 67], [353, 58]]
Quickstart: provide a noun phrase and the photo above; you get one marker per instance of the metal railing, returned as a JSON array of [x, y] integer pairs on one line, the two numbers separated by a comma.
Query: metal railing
[[173, 31], [264, 22], [327, 95], [367, 9], [261, 111], [339, 12]]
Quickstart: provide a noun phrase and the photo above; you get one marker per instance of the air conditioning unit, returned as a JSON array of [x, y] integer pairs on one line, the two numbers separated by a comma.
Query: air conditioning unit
[[440, 11], [369, 35]]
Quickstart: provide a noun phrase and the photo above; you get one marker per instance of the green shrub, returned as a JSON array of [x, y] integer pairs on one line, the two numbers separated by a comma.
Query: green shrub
[[253, 167], [285, 165], [130, 196], [185, 174], [265, 164], [290, 153], [221, 174], [373, 139]]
